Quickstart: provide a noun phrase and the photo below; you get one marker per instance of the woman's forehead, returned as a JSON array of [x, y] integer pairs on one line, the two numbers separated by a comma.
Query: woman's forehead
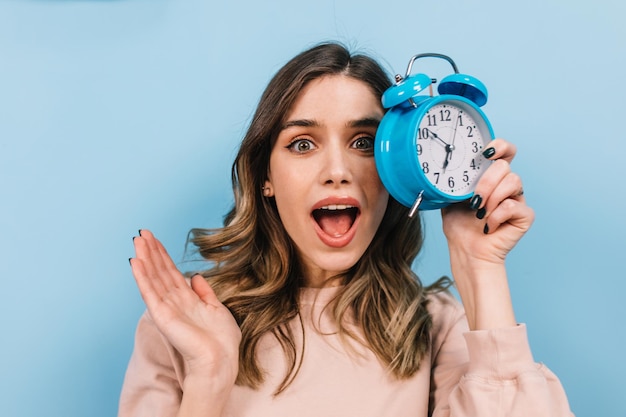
[[334, 96]]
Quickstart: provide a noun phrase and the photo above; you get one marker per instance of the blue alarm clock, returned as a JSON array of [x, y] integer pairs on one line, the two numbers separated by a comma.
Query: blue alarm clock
[[428, 149]]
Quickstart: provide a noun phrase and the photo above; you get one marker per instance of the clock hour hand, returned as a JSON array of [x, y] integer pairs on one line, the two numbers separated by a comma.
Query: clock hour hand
[[434, 135], [449, 149]]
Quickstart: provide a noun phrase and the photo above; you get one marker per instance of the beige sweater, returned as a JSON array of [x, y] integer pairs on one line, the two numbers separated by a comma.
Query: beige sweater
[[469, 373]]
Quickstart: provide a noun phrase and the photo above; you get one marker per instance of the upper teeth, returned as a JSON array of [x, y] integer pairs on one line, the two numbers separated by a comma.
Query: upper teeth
[[336, 207]]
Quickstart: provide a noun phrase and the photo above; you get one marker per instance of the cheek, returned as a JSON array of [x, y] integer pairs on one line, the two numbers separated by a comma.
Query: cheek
[[377, 195], [381, 205], [376, 187], [287, 185], [277, 175], [285, 193]]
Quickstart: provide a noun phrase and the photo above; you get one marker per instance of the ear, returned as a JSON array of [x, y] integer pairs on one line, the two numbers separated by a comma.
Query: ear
[[268, 190]]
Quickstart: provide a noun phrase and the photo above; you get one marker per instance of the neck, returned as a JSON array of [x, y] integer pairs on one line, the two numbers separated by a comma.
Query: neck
[[322, 280]]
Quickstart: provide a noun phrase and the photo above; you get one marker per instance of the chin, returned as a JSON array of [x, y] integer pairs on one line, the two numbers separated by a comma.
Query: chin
[[331, 264]]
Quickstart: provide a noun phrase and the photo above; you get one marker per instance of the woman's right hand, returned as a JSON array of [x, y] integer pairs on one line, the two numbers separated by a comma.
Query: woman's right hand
[[191, 317]]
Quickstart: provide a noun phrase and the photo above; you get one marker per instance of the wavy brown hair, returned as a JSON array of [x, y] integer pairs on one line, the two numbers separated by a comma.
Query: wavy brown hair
[[256, 271]]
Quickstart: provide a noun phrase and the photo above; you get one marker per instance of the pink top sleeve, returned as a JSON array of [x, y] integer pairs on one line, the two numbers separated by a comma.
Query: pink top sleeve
[[153, 377], [491, 373]]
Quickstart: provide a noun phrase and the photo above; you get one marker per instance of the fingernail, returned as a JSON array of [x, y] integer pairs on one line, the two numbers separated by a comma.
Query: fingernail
[[140, 232], [476, 201], [489, 152], [481, 213], [486, 229], [129, 260]]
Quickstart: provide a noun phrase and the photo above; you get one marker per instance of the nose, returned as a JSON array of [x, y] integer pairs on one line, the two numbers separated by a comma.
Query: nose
[[336, 168]]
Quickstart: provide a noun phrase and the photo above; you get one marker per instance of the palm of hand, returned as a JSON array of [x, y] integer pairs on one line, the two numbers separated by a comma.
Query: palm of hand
[[190, 316]]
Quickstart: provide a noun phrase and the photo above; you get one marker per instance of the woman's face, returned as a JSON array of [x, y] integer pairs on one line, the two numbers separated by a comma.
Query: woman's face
[[323, 175]]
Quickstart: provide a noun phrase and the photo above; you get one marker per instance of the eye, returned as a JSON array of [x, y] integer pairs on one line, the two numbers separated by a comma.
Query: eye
[[301, 145], [364, 143]]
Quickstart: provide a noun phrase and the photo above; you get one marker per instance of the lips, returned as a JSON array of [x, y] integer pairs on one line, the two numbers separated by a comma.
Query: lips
[[335, 220]]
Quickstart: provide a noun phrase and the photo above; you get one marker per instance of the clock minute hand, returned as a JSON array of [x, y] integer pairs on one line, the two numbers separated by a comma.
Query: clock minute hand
[[449, 149]]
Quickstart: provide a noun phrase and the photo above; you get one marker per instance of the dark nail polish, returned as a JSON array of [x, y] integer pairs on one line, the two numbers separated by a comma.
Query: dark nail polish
[[475, 202], [139, 232], [481, 213], [130, 259], [489, 152], [486, 229]]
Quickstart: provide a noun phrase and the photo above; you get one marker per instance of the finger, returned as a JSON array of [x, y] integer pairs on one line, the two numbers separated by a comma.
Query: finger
[[152, 250], [500, 149], [145, 258], [510, 213], [490, 181], [508, 187], [202, 288], [150, 293], [168, 264], [162, 264]]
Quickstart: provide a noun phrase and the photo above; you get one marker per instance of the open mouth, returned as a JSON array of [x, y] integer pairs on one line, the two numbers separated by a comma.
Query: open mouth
[[336, 219]]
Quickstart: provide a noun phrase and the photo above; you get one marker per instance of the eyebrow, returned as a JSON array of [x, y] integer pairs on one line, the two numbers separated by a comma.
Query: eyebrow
[[364, 122], [299, 123]]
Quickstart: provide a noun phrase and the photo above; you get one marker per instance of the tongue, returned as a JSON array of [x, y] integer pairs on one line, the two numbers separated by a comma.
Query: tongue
[[335, 223]]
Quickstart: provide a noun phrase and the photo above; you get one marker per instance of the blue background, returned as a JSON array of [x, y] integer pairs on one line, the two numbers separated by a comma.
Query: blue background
[[126, 114]]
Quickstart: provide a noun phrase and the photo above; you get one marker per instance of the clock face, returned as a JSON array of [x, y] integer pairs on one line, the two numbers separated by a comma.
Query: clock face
[[450, 141]]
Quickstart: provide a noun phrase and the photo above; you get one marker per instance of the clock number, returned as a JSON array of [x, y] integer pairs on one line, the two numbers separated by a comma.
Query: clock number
[[425, 167], [460, 120], [445, 115], [473, 165], [451, 182], [419, 149], [465, 176], [422, 133], [432, 120], [470, 132], [475, 148], [436, 178]]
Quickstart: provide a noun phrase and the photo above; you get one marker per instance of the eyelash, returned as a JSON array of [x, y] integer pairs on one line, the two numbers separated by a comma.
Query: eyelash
[[294, 143], [370, 139]]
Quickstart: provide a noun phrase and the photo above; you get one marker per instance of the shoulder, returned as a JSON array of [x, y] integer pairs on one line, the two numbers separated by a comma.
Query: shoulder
[[443, 306], [448, 318]]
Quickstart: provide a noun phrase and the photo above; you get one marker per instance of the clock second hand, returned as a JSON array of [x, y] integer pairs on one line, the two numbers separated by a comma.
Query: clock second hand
[[450, 148]]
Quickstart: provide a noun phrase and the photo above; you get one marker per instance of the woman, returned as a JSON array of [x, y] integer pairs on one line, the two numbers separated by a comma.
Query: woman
[[310, 306]]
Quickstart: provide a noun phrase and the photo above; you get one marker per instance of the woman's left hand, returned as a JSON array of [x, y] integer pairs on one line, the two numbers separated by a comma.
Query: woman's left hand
[[488, 229]]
